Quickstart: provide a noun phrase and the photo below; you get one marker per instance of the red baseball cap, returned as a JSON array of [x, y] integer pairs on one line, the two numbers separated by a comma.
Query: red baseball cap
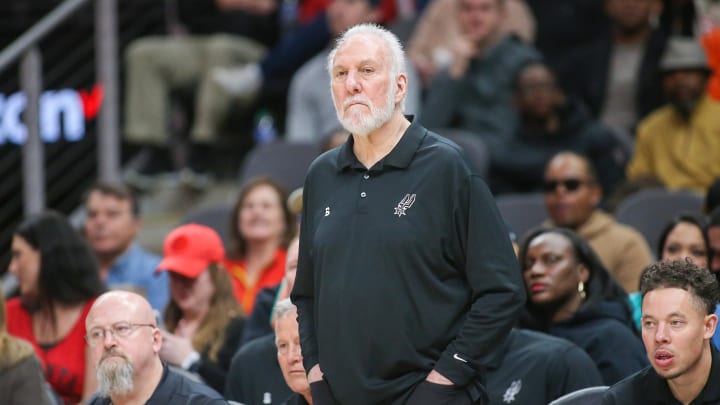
[[189, 249]]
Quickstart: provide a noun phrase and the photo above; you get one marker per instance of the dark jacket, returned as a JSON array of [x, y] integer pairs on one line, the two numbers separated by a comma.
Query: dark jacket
[[518, 166], [606, 332], [295, 399], [646, 387], [586, 72], [255, 377], [258, 323], [214, 373], [176, 389], [537, 368]]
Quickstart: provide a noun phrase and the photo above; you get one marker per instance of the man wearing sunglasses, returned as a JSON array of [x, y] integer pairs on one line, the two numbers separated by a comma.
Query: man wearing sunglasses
[[124, 344], [572, 197]]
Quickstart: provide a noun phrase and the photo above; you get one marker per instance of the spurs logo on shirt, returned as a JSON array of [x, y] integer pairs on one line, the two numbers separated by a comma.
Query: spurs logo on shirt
[[404, 205], [513, 389]]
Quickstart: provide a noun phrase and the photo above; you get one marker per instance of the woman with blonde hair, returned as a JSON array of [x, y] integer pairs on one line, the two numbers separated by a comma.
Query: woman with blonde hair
[[21, 375], [204, 322]]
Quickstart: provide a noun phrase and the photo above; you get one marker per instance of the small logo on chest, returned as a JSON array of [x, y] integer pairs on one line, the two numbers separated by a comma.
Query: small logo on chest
[[512, 391], [404, 205]]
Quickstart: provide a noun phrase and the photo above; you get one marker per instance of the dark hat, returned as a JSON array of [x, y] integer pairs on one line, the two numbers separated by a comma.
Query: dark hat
[[684, 54]]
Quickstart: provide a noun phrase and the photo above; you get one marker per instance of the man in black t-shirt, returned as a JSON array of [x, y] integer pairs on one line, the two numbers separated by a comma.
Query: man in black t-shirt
[[678, 320]]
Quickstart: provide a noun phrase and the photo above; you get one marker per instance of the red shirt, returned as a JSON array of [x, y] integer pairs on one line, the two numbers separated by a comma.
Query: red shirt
[[64, 362], [244, 291]]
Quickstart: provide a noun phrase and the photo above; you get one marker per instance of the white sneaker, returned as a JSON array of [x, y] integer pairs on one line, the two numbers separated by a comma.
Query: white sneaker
[[238, 81]]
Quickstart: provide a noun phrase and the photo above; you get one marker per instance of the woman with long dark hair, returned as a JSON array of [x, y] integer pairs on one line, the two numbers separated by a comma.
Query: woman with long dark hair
[[571, 295], [59, 280]]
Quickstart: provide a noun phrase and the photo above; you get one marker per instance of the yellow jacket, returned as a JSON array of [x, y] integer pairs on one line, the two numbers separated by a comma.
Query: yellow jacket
[[682, 156]]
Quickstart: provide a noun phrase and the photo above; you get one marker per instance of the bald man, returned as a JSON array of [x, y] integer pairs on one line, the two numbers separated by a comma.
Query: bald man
[[124, 344], [572, 196]]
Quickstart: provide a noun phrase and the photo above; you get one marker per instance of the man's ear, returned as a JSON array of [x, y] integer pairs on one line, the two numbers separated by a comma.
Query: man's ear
[[401, 83], [156, 340], [711, 322]]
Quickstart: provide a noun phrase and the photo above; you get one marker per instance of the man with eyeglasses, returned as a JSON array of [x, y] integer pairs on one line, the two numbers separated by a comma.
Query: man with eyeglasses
[[124, 342], [572, 197]]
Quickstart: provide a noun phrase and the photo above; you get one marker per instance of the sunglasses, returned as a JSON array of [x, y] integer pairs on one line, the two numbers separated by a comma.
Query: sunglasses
[[571, 185]]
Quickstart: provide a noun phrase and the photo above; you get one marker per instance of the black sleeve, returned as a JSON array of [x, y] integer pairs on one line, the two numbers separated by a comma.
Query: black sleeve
[[258, 323], [493, 273], [214, 373], [303, 293]]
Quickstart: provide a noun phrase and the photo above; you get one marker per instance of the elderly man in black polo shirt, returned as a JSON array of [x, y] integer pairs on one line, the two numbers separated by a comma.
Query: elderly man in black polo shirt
[[407, 284], [678, 320]]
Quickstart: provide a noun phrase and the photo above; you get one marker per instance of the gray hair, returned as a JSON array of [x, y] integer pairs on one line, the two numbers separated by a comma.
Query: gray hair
[[393, 44], [282, 308]]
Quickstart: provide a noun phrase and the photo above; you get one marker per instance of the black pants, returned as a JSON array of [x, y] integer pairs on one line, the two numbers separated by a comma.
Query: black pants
[[427, 393]]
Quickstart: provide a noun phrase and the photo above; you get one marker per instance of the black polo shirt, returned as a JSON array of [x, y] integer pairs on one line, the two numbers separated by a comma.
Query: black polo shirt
[[176, 389], [537, 368], [403, 268], [647, 387]]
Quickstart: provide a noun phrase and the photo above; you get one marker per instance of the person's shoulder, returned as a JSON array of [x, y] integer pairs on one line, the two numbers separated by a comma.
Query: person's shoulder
[[623, 233], [327, 160], [629, 390], [256, 348], [542, 342], [517, 49], [185, 390], [656, 120], [14, 306], [442, 150]]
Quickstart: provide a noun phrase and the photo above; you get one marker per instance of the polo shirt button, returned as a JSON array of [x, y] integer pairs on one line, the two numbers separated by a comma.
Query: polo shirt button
[[366, 176], [363, 194]]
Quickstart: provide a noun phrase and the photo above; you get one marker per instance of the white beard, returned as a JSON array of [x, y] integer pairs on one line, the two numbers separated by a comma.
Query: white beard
[[362, 124], [115, 378]]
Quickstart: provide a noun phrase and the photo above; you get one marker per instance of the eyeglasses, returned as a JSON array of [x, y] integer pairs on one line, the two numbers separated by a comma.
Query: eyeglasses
[[571, 185], [121, 329]]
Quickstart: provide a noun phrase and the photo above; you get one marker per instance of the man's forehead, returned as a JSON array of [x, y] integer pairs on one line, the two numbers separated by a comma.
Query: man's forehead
[[117, 308], [666, 302], [567, 165], [360, 49]]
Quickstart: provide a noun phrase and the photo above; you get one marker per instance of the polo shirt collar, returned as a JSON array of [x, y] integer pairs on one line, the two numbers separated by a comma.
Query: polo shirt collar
[[659, 391], [399, 157]]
